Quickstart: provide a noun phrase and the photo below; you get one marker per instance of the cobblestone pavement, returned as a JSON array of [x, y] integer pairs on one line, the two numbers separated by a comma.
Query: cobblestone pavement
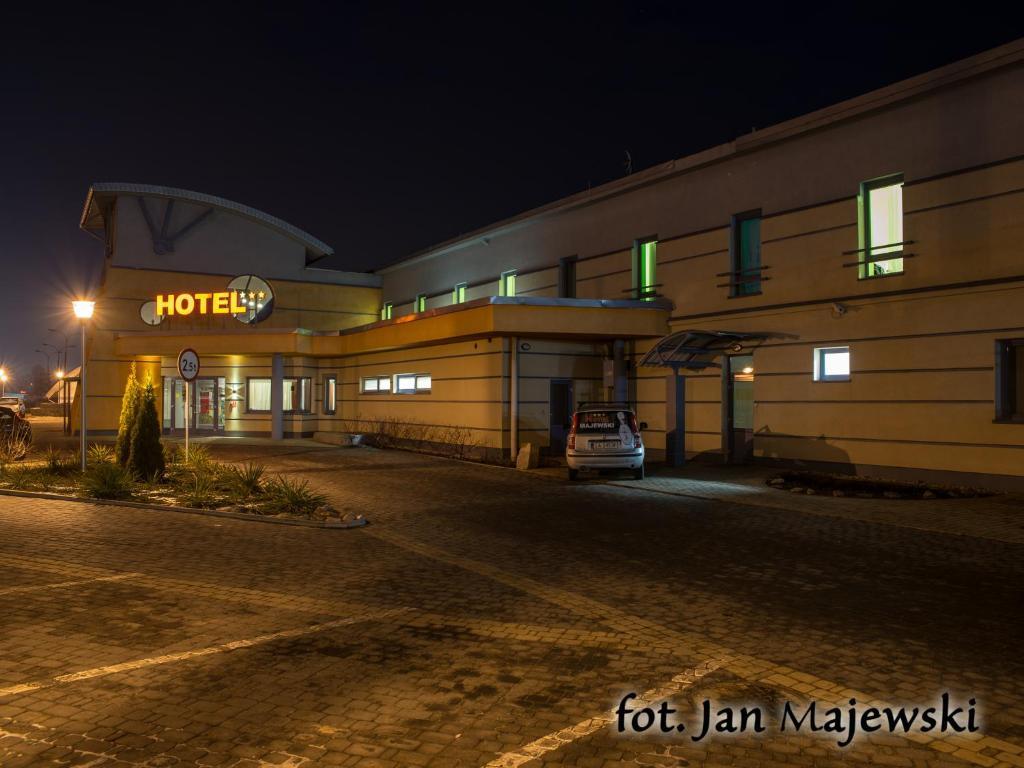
[[489, 617]]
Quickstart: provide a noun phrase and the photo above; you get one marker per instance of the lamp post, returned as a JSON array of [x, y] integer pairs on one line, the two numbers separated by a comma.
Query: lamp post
[[83, 311], [3, 382]]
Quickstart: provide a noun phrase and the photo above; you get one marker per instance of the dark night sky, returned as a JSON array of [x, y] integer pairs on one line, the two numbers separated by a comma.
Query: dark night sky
[[382, 128]]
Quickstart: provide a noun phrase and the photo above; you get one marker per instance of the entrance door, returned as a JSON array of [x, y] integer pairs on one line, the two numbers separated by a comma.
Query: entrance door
[[205, 411], [738, 407], [206, 406], [561, 408]]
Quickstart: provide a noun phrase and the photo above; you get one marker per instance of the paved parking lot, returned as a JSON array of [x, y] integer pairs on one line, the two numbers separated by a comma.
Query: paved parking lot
[[489, 617]]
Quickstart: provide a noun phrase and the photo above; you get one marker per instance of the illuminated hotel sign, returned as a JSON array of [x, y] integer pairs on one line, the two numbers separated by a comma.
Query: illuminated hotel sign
[[248, 299], [220, 303]]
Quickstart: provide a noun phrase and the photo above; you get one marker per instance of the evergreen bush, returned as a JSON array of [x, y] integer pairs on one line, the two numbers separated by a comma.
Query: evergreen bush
[[146, 454], [130, 404]]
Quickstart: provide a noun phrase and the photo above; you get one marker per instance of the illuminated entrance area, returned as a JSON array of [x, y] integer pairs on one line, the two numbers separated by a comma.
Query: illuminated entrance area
[[206, 405]]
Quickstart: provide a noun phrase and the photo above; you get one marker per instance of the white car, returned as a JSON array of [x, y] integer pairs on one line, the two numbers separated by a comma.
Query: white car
[[605, 436], [14, 402]]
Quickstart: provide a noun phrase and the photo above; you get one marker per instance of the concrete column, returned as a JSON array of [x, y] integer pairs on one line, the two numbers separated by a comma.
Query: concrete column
[[513, 398], [277, 397], [675, 419], [620, 390]]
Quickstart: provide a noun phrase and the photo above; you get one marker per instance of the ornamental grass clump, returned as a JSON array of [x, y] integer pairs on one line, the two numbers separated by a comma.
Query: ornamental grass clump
[[197, 489], [59, 463], [245, 482], [292, 497], [108, 480]]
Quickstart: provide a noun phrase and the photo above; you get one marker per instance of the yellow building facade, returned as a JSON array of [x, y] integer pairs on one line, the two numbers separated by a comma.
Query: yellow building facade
[[869, 253]]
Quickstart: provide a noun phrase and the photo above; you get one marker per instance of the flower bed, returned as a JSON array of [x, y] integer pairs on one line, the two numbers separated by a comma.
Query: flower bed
[[813, 483], [200, 483]]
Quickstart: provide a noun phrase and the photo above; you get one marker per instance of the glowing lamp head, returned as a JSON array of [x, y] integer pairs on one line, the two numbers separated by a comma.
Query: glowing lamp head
[[3, 375], [83, 309], [59, 374], [748, 369]]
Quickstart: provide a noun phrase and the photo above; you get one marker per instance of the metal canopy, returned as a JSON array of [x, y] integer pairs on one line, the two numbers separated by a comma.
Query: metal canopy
[[685, 351], [697, 350]]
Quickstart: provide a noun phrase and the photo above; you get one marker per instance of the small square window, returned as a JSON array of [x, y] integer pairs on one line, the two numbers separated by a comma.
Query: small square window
[[374, 384], [832, 364], [412, 383], [421, 303], [459, 293], [387, 310]]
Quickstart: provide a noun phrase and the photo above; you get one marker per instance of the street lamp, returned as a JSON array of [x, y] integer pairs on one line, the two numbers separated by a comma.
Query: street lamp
[[3, 382], [83, 311]]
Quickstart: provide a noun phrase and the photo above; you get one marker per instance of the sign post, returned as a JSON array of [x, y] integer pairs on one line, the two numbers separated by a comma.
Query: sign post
[[188, 369]]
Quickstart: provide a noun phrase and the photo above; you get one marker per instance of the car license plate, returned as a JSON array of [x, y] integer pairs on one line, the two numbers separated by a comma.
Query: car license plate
[[605, 443]]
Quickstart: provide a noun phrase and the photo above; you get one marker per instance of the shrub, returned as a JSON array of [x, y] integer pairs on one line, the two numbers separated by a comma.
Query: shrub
[[12, 449], [197, 489], [247, 481], [130, 404], [108, 481], [59, 463], [198, 457], [172, 454], [101, 454], [146, 455], [292, 497]]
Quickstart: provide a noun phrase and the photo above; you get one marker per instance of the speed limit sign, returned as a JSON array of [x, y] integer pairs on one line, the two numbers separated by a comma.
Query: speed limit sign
[[188, 364]]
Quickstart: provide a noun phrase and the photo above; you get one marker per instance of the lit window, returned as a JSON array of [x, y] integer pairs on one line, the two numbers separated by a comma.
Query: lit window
[[412, 383], [330, 394], [507, 285], [832, 364], [296, 395], [881, 227], [259, 396], [746, 254], [375, 384], [1010, 380], [421, 303], [386, 310], [644, 268], [459, 293]]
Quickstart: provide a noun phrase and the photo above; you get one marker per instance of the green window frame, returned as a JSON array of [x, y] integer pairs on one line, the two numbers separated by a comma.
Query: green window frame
[[880, 230], [645, 266], [459, 293], [745, 279], [421, 303], [387, 310], [507, 283]]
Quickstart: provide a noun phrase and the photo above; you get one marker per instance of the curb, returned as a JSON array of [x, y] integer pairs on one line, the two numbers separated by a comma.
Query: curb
[[185, 510]]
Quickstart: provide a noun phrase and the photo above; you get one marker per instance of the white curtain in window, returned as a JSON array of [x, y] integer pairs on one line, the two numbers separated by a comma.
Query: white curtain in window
[[259, 394]]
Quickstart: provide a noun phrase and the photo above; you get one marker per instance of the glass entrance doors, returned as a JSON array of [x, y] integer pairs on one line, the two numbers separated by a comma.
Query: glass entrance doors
[[738, 412], [206, 406]]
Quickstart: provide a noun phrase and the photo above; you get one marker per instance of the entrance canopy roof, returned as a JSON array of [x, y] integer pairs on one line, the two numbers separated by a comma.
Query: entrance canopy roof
[[697, 350], [565, 319]]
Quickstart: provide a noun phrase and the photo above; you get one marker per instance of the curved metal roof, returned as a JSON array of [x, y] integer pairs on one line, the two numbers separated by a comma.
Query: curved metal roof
[[92, 213], [697, 350]]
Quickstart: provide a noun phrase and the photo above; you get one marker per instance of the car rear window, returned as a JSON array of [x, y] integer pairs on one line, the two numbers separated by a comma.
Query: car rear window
[[602, 421]]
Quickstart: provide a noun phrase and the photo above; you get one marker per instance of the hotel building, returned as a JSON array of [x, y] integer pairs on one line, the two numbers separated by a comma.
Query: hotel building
[[855, 275]]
